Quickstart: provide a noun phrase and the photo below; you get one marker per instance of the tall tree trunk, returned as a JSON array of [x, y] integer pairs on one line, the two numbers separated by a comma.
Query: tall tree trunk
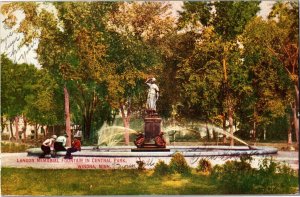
[[126, 134], [36, 131], [296, 112], [290, 130], [229, 105], [46, 131], [126, 122], [25, 127], [290, 141], [224, 127], [207, 132], [67, 116], [296, 122], [230, 119], [3, 124], [17, 127], [88, 117], [12, 137], [87, 126], [254, 131]]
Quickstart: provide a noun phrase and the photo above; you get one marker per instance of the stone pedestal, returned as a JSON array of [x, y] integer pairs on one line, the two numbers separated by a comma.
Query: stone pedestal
[[151, 128], [151, 139]]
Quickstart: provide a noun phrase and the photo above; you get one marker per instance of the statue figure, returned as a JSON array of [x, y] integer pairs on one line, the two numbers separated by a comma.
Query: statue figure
[[153, 94]]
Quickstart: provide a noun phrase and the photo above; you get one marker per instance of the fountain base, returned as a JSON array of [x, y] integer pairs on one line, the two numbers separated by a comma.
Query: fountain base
[[152, 139], [150, 149]]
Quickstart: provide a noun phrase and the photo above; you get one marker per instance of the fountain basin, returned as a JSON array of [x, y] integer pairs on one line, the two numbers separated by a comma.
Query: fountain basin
[[121, 157], [125, 151], [187, 151]]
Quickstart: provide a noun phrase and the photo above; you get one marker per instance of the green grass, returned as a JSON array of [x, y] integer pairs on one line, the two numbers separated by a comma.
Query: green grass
[[27, 181], [12, 147], [62, 182]]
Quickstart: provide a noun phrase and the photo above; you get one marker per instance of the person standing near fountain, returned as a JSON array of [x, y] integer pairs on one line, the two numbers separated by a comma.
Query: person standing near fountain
[[153, 94]]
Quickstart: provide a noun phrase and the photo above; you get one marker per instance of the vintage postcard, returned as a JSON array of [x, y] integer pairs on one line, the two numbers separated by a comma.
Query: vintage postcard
[[149, 98]]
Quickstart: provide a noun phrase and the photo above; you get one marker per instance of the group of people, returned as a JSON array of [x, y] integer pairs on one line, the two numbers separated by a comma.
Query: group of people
[[55, 144]]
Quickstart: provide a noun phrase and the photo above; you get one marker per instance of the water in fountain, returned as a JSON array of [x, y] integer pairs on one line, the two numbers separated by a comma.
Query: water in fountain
[[201, 129], [112, 135]]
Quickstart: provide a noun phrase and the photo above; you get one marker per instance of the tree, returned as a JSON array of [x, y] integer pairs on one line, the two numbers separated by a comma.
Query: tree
[[272, 85], [103, 66], [228, 21], [64, 48], [286, 48], [136, 29], [16, 83], [44, 106], [29, 92], [199, 76]]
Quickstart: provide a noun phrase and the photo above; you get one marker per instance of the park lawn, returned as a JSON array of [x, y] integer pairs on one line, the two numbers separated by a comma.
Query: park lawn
[[11, 147], [28, 181]]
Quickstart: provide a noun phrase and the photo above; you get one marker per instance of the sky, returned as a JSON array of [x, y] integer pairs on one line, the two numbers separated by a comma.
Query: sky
[[10, 40]]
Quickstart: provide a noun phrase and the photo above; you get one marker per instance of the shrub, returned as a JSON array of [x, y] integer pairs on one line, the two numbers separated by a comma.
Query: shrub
[[234, 177], [217, 172], [240, 178], [275, 178], [178, 164], [204, 166], [161, 168], [141, 165]]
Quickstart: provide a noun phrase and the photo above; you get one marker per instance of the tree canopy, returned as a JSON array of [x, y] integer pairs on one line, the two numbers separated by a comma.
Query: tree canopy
[[217, 62]]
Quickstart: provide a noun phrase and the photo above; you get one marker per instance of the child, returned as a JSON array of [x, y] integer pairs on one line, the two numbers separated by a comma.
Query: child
[[76, 146], [47, 146]]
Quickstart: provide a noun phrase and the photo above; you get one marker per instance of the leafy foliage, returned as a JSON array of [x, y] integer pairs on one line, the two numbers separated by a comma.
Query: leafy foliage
[[217, 60], [31, 92], [161, 168], [178, 164], [204, 165], [239, 177]]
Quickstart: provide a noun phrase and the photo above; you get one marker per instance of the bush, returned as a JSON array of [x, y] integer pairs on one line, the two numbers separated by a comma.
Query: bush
[[240, 178], [161, 168], [178, 164], [141, 165], [204, 166], [275, 178], [234, 177]]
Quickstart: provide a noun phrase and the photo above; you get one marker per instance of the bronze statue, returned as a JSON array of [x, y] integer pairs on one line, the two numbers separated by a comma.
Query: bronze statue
[[139, 141], [159, 140]]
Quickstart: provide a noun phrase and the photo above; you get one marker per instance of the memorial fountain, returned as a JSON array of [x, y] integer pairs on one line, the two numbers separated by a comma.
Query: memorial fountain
[[150, 145]]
